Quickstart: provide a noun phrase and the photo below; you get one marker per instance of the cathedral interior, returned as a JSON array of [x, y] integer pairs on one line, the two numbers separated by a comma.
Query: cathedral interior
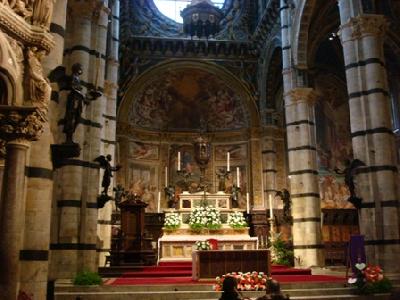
[[103, 98]]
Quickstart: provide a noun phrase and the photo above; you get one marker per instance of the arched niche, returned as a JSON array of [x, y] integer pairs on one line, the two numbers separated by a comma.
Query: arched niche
[[9, 94], [183, 96]]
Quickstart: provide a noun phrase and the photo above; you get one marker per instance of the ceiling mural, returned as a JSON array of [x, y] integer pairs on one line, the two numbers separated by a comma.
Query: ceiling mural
[[186, 100]]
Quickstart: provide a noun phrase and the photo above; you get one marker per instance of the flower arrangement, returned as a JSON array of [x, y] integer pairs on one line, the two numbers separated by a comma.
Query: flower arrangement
[[250, 281], [172, 221], [205, 217], [237, 220], [202, 245], [370, 280]]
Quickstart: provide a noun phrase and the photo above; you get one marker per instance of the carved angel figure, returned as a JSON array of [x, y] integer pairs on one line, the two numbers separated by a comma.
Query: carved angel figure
[[104, 162], [42, 12], [349, 172], [287, 205]]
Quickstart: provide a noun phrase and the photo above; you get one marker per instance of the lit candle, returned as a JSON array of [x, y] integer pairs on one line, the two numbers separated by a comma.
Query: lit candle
[[228, 158], [271, 212], [179, 160], [159, 202], [248, 202], [166, 176], [237, 177]]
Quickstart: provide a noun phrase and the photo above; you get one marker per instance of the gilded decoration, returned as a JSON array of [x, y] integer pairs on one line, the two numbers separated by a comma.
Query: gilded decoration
[[187, 99]]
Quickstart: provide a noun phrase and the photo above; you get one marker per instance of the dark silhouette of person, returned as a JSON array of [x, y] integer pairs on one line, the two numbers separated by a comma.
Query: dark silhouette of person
[[273, 292], [229, 288]]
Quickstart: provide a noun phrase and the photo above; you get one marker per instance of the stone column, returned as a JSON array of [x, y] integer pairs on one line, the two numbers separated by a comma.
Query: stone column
[[35, 253], [306, 203], [256, 169], [19, 126], [362, 37], [67, 245], [269, 169]]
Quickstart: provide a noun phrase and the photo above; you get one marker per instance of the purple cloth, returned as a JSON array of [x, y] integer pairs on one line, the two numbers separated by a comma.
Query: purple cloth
[[356, 251]]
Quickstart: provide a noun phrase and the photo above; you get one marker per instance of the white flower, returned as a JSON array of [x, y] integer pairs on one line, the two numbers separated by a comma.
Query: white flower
[[352, 280], [360, 266]]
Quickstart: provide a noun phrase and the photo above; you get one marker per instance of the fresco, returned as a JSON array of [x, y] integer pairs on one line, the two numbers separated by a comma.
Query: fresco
[[237, 152], [333, 148], [188, 163], [143, 182], [185, 100], [139, 150]]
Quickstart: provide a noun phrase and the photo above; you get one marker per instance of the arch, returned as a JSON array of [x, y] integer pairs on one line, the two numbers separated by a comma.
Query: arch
[[301, 24], [8, 73], [141, 82]]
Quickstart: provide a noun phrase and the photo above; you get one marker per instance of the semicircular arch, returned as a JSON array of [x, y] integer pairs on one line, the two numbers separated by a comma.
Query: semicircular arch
[[210, 77], [8, 73]]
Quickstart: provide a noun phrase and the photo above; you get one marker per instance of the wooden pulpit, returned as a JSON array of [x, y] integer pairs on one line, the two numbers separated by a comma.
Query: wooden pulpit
[[133, 246]]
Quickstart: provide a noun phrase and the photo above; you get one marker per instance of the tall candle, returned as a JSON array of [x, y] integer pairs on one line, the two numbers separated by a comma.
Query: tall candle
[[271, 212], [166, 176], [179, 160], [228, 163], [159, 202], [248, 202], [237, 177]]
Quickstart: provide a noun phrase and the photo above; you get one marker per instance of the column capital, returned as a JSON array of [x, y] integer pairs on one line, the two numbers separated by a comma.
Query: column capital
[[19, 123], [363, 25], [298, 95]]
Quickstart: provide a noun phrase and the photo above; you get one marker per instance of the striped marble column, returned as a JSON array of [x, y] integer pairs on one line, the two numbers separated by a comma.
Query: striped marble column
[[306, 203], [109, 130], [35, 252], [68, 246], [269, 169], [362, 37]]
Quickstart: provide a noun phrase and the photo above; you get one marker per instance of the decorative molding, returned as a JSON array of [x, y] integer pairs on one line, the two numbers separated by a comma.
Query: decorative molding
[[16, 26], [299, 95], [361, 26], [21, 123]]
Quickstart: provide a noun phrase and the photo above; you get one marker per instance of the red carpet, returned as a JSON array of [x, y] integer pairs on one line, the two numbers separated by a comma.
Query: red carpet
[[181, 273]]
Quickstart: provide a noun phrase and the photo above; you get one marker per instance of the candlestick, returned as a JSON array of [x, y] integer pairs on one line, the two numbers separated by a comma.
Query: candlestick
[[166, 176], [159, 202], [179, 160], [228, 158], [237, 177], [271, 212], [248, 202]]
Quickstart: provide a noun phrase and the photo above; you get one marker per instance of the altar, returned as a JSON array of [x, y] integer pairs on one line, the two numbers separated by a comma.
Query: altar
[[178, 244]]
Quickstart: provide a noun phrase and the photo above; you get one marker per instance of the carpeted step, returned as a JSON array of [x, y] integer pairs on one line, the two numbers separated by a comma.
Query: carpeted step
[[156, 273]]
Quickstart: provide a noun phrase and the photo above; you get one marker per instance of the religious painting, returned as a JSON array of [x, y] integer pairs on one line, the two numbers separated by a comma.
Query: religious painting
[[333, 147], [188, 166], [142, 181], [231, 180], [139, 150], [185, 100], [237, 152]]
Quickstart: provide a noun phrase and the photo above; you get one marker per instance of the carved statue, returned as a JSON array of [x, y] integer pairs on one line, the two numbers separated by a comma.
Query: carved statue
[[287, 205], [349, 172], [222, 174], [75, 100], [104, 162], [120, 194], [39, 87], [42, 12], [235, 196], [170, 195]]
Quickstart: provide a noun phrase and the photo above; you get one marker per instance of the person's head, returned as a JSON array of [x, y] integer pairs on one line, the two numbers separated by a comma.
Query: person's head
[[273, 287], [229, 284]]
